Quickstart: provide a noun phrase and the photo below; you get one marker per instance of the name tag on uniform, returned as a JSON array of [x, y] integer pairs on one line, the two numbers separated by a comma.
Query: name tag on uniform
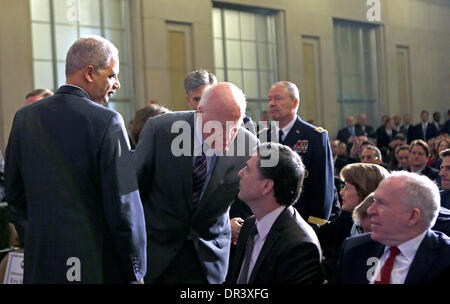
[[301, 146], [14, 269]]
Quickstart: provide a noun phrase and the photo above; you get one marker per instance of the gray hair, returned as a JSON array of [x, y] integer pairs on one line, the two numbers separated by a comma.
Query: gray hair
[[421, 193], [238, 95], [292, 88], [197, 79], [90, 50], [360, 211]]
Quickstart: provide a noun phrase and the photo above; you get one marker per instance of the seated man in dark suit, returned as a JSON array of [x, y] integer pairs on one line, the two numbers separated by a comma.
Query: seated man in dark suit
[[419, 153], [276, 245], [445, 178], [401, 249]]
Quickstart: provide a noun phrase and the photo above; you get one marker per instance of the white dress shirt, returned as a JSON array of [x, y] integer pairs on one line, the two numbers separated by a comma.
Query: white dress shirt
[[263, 226], [402, 261], [286, 128]]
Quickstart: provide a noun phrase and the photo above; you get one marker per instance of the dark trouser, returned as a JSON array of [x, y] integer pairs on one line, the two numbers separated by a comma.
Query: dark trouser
[[184, 269]]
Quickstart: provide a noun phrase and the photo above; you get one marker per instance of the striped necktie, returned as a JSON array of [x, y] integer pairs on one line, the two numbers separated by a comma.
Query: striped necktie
[[198, 178]]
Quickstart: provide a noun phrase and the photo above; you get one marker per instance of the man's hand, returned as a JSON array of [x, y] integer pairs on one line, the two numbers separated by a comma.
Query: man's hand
[[236, 225]]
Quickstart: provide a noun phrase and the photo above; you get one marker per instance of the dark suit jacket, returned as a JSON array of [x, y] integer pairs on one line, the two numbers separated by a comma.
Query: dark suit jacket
[[331, 236], [165, 184], [432, 174], [344, 134], [369, 131], [383, 139], [443, 221], [313, 145], [431, 263], [416, 132], [73, 192], [291, 252], [445, 198], [446, 127]]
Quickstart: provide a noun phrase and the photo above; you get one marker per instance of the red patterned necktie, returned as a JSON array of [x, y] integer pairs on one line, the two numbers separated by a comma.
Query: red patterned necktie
[[385, 274]]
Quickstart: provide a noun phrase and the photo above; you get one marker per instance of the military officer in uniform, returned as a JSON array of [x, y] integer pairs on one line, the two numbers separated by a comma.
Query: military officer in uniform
[[311, 143]]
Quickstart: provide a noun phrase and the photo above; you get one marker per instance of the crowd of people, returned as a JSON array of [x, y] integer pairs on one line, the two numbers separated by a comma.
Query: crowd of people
[[208, 197]]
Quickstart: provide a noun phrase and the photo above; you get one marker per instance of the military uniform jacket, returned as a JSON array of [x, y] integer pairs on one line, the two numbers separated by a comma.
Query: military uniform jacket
[[313, 145]]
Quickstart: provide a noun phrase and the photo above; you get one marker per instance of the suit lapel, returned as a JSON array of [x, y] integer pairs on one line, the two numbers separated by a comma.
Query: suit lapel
[[272, 237], [422, 260], [240, 250], [293, 135], [186, 166]]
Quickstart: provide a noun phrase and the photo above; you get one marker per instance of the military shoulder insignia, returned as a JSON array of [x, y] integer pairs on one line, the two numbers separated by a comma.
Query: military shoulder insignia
[[301, 146], [320, 130], [262, 130]]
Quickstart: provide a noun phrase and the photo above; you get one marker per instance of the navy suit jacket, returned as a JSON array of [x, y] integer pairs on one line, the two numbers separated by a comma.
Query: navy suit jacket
[[72, 191], [344, 134], [416, 132], [313, 145], [368, 131], [383, 139], [291, 253], [431, 263], [445, 198], [165, 184]]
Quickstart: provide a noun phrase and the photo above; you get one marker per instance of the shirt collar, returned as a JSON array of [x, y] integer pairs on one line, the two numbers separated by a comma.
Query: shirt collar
[[288, 127], [265, 223], [409, 248]]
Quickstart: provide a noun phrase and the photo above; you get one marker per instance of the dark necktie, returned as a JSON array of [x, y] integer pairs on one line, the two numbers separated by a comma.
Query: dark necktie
[[385, 274], [243, 278], [280, 136], [198, 178]]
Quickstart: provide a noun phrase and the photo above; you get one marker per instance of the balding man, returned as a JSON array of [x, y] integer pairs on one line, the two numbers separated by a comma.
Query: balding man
[[401, 249], [70, 180], [311, 143], [187, 182], [362, 128]]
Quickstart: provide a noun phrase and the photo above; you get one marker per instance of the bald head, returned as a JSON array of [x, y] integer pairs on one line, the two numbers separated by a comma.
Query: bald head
[[222, 108]]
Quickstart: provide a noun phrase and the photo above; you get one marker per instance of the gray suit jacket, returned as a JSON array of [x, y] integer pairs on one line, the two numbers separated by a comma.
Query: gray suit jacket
[[165, 183]]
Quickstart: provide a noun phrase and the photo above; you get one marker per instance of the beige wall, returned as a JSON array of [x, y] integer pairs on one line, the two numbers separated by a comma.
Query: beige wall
[[423, 26], [16, 66]]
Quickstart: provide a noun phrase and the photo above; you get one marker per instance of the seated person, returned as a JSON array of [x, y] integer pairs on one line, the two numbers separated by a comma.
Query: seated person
[[419, 153], [359, 181], [402, 248], [275, 246]]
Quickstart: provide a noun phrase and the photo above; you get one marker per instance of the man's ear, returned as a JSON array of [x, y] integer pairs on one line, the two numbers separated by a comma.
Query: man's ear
[[268, 186], [88, 73]]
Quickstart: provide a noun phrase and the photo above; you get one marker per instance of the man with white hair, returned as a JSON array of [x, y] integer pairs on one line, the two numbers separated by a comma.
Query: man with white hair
[[401, 249], [187, 182], [311, 143]]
